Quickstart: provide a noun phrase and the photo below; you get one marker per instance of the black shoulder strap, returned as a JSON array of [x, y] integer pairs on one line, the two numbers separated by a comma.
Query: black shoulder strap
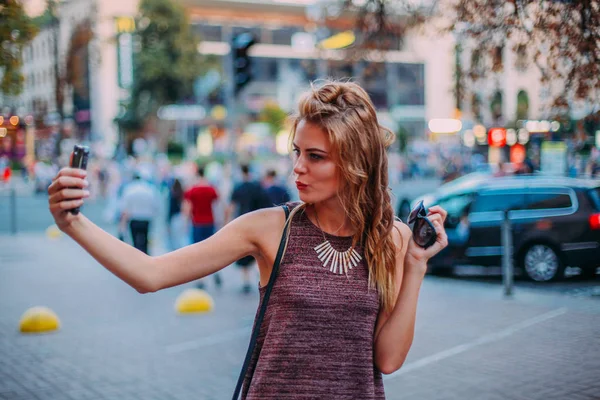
[[263, 307]]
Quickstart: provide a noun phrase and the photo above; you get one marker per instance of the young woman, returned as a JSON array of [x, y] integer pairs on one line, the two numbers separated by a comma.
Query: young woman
[[342, 310]]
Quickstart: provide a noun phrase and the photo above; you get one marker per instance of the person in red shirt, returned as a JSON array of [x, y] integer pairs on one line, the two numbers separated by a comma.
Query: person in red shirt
[[197, 205]]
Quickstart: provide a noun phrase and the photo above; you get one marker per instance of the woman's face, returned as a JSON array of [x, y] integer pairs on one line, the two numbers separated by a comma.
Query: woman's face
[[317, 175]]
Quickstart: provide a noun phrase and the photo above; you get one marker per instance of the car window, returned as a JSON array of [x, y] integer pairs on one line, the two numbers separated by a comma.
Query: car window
[[456, 204], [498, 201], [595, 196], [544, 201]]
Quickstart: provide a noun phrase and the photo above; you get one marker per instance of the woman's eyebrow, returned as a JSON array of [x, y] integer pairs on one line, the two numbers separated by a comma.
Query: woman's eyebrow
[[310, 149]]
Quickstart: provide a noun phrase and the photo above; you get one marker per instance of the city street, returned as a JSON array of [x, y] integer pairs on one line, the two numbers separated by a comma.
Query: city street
[[187, 114], [114, 343]]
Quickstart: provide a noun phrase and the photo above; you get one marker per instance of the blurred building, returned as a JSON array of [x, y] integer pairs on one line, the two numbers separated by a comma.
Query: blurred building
[[410, 85]]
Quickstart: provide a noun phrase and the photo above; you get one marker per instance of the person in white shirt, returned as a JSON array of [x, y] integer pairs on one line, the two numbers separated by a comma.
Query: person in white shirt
[[140, 203]]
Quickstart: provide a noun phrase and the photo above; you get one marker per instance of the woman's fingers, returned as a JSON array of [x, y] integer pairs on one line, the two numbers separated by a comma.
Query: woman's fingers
[[436, 218], [442, 238], [67, 171], [62, 182], [68, 194], [438, 210], [65, 205]]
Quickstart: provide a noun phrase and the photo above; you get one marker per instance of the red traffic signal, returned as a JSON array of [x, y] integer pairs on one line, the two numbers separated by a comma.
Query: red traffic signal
[[497, 137]]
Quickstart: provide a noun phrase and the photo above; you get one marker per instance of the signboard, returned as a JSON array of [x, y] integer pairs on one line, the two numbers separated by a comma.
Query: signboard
[[553, 160]]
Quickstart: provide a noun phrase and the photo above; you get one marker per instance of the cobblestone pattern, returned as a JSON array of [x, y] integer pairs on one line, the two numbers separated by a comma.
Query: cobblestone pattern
[[117, 344]]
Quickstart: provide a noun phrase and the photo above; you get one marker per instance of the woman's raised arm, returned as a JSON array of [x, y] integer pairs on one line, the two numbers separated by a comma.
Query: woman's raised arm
[[239, 238]]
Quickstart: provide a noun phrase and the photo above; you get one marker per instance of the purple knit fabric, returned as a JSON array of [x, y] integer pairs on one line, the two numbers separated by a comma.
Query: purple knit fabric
[[316, 340]]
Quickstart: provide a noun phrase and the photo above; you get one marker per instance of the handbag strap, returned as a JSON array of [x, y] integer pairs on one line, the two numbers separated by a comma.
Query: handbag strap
[[263, 307]]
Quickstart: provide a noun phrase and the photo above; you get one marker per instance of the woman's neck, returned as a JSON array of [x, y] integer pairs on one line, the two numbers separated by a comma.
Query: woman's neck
[[331, 218]]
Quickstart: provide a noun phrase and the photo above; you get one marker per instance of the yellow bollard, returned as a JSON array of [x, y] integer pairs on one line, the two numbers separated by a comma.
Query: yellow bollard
[[39, 320], [53, 232], [194, 301]]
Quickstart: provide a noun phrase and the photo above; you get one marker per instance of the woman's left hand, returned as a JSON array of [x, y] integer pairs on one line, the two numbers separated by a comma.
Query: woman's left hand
[[416, 255]]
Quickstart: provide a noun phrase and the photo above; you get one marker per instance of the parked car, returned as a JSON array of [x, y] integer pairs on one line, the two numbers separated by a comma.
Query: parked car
[[555, 223]]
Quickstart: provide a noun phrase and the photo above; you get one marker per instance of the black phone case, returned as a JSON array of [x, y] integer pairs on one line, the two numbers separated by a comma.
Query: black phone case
[[80, 160]]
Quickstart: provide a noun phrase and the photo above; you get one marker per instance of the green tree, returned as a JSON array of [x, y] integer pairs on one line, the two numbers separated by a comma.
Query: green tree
[[274, 116], [167, 61], [16, 30]]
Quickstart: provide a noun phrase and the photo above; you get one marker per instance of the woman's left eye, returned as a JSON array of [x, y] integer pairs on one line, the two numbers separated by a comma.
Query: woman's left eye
[[315, 157]]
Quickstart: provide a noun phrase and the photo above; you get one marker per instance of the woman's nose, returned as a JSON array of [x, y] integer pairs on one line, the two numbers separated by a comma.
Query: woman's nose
[[299, 167]]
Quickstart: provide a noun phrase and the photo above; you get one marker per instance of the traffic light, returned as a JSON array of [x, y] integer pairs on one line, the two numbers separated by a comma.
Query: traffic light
[[242, 65]]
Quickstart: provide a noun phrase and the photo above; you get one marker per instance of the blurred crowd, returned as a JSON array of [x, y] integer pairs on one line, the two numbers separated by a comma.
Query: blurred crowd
[[194, 200]]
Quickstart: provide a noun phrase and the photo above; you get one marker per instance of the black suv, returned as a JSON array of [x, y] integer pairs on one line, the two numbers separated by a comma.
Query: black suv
[[555, 223]]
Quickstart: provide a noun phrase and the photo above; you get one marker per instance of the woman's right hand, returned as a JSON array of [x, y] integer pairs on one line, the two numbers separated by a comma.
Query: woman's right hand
[[67, 191]]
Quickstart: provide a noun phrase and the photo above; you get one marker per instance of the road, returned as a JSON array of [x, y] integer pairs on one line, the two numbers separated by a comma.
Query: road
[[114, 343]]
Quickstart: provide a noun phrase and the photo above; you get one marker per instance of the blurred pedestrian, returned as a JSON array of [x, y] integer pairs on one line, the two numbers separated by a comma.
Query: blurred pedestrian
[[277, 193], [140, 203], [174, 215], [345, 297], [246, 197], [198, 207], [103, 178]]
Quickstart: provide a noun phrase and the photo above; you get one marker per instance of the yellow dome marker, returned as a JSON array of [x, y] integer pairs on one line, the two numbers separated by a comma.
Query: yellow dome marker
[[53, 232], [194, 301], [39, 320]]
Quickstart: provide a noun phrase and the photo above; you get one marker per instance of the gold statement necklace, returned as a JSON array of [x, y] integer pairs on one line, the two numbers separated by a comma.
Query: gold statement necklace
[[339, 262]]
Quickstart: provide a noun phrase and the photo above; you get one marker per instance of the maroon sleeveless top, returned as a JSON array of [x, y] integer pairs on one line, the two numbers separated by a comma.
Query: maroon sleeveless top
[[316, 339]]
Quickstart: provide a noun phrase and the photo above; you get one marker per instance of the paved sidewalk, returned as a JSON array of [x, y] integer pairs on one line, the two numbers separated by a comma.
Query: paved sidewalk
[[114, 343]]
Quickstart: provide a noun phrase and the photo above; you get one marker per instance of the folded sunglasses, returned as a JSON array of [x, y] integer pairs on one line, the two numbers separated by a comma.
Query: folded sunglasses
[[424, 233]]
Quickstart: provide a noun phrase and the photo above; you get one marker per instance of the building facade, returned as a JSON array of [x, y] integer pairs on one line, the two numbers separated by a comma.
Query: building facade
[[410, 84]]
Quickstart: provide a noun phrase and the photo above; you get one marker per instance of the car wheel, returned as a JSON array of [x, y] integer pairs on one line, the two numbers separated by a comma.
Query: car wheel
[[542, 263]]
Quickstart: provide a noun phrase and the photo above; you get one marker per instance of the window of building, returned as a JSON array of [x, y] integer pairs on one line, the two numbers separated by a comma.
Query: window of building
[[340, 69], [283, 36], [521, 58], [522, 105], [496, 105], [411, 84], [497, 62], [265, 69], [374, 80], [211, 33], [477, 65]]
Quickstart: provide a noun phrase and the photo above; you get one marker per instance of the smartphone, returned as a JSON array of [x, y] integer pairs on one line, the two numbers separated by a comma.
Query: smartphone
[[79, 160]]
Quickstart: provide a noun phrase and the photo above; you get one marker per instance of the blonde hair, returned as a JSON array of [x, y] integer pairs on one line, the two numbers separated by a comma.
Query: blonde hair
[[345, 111]]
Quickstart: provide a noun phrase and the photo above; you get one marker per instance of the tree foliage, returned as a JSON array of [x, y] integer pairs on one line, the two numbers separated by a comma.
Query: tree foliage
[[274, 116], [560, 37], [16, 30], [166, 62]]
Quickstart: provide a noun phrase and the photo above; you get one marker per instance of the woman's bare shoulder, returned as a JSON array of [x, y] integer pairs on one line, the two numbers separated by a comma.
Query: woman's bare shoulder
[[401, 234], [263, 221]]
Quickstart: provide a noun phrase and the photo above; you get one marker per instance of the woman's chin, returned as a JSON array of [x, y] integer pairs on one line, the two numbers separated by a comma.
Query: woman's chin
[[304, 197]]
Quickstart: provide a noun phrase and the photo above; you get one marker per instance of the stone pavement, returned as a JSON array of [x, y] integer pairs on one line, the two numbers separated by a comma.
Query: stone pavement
[[114, 343]]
